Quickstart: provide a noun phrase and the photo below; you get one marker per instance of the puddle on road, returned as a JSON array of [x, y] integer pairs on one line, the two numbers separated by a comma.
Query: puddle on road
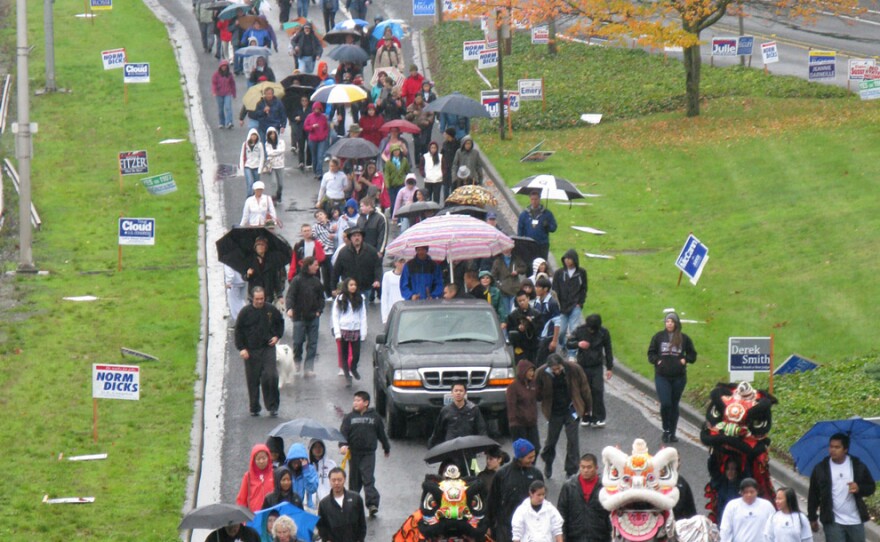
[[225, 171]]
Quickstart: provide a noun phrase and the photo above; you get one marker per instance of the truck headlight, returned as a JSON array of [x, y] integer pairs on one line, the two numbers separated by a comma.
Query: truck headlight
[[406, 378], [501, 377]]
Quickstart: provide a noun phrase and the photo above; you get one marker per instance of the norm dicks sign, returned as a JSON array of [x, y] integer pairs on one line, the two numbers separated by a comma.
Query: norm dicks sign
[[116, 382]]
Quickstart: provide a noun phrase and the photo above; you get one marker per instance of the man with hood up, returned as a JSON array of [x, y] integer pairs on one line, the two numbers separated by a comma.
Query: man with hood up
[[594, 355], [537, 223], [468, 156], [509, 488], [570, 285], [305, 477], [522, 404]]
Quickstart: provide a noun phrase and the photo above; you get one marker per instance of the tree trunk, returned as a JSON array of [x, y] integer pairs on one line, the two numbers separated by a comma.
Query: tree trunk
[[551, 35], [692, 62]]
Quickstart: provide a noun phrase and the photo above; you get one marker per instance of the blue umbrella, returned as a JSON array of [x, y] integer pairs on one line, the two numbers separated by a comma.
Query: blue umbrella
[[305, 522], [350, 24], [864, 443], [396, 29], [233, 10]]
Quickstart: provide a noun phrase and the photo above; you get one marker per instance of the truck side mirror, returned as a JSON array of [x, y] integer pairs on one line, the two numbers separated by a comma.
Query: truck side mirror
[[380, 338]]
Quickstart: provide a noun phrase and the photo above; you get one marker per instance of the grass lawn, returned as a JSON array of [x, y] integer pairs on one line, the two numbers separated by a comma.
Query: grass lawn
[[777, 183], [47, 345]]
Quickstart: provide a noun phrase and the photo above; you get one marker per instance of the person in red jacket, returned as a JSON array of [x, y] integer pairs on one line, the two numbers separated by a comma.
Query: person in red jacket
[[371, 123], [412, 85], [318, 128], [307, 246], [258, 481]]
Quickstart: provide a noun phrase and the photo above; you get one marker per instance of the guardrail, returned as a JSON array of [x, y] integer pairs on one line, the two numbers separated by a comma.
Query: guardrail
[[10, 170]]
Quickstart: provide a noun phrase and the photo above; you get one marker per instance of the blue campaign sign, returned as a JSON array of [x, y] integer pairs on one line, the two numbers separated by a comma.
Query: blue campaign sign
[[692, 258], [137, 231], [749, 354], [795, 364], [136, 72], [424, 7], [744, 45]]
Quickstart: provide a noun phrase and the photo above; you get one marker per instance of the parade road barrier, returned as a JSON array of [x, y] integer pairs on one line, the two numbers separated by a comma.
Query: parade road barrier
[[36, 222]]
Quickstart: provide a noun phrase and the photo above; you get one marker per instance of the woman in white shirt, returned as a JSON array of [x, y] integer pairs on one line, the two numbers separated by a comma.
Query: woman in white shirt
[[275, 148], [391, 288], [788, 523], [258, 209], [433, 172], [251, 159], [349, 328]]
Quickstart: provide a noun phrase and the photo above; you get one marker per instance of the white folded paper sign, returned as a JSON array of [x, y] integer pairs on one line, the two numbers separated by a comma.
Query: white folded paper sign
[[169, 141], [600, 256], [592, 118], [89, 457], [587, 229], [80, 298], [68, 500]]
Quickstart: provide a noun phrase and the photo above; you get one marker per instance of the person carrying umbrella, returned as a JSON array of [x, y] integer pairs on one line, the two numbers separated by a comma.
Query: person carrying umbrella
[[234, 533], [261, 72], [266, 270], [296, 115], [838, 487], [270, 113], [537, 222], [422, 278]]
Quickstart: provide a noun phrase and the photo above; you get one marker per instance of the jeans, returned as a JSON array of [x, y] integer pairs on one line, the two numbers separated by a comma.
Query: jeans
[[261, 371], [305, 330], [236, 298], [307, 64], [318, 149], [568, 322], [669, 390], [363, 465], [302, 8], [207, 32], [224, 105], [251, 175], [596, 379], [278, 173], [572, 448], [404, 223], [329, 20], [835, 532]]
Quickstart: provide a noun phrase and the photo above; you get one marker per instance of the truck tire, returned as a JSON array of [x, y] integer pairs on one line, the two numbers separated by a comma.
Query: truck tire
[[378, 394], [394, 420]]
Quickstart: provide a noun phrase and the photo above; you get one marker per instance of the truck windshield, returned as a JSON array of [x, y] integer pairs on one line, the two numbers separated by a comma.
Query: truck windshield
[[447, 325]]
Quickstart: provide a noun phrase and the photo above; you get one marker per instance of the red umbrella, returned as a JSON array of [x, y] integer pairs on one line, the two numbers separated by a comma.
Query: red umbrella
[[404, 126]]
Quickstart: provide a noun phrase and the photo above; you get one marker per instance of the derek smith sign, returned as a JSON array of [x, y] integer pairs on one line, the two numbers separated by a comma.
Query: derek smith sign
[[748, 354], [116, 382]]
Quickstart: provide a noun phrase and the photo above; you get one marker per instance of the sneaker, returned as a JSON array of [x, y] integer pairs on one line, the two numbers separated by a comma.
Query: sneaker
[[310, 374], [273, 413], [355, 374], [673, 438], [222, 126], [600, 423], [665, 437], [348, 382], [328, 298], [255, 414], [373, 510], [229, 126], [586, 423], [340, 373], [548, 472]]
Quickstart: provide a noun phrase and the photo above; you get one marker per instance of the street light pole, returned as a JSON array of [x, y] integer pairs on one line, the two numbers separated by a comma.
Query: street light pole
[[49, 30], [500, 48], [23, 143]]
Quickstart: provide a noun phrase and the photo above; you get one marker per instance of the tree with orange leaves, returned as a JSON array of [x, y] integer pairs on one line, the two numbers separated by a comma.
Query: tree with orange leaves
[[652, 24]]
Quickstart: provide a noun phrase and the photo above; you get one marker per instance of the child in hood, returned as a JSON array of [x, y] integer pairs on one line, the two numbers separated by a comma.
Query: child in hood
[[258, 481], [305, 478], [276, 451], [283, 491], [322, 465]]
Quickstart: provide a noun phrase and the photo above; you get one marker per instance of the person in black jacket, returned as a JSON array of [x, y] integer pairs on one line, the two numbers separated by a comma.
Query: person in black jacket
[[296, 116], [685, 508], [234, 533], [585, 519], [669, 352], [570, 285], [305, 303], [258, 328], [510, 488], [460, 418], [265, 269], [838, 487], [283, 491], [447, 155], [594, 355], [359, 261], [374, 225], [341, 522], [363, 429]]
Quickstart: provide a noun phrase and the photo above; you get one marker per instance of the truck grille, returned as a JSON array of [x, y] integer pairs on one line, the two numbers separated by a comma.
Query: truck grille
[[442, 379]]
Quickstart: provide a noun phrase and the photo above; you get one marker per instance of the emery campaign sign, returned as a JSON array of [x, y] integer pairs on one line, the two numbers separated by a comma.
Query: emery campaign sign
[[116, 382], [137, 231], [822, 65], [692, 258], [530, 89], [113, 59], [133, 163], [136, 72]]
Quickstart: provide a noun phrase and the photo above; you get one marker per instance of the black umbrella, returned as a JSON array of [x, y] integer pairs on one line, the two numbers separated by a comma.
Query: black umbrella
[[470, 210], [217, 6], [460, 448], [306, 428], [339, 36], [353, 148], [526, 249], [237, 246], [417, 208], [215, 516], [302, 80], [458, 104], [550, 186], [349, 53]]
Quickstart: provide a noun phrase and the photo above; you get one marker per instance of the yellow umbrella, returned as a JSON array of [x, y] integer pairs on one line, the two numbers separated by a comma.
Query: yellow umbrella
[[254, 94], [471, 194]]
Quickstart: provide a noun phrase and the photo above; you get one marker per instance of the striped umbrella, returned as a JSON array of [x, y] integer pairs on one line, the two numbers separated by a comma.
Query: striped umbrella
[[451, 237], [339, 94]]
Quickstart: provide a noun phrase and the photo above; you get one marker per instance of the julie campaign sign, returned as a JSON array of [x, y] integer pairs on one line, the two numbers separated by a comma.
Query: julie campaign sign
[[137, 231], [116, 382], [113, 59], [136, 72], [133, 163], [723, 46], [692, 258], [489, 99]]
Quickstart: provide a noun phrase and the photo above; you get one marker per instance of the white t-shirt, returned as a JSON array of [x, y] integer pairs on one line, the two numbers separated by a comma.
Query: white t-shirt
[[390, 293], [742, 522], [255, 211], [844, 503], [783, 527]]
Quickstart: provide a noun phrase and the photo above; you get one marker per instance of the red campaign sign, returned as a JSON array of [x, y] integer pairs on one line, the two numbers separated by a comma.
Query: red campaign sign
[[872, 73]]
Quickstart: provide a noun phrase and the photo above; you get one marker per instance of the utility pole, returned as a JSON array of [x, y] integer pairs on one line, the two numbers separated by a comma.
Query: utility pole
[[49, 30], [23, 143], [498, 23]]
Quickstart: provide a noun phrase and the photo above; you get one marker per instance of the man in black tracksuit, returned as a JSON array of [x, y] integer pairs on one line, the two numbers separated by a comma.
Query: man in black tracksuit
[[570, 285], [258, 328], [594, 355], [363, 429]]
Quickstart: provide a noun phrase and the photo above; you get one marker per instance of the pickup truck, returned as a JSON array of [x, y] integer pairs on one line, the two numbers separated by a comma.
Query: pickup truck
[[429, 345]]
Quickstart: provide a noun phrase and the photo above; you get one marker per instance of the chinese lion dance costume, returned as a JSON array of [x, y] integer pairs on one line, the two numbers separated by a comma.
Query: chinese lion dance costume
[[639, 491], [738, 422], [452, 507]]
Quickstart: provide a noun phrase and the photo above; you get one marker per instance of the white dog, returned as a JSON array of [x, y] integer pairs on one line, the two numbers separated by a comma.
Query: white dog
[[286, 367]]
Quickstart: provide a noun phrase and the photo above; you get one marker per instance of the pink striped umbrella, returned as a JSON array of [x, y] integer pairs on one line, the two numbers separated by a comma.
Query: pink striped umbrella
[[451, 237]]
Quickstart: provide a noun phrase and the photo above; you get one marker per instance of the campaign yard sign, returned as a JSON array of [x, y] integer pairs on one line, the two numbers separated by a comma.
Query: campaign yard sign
[[769, 52], [858, 67], [471, 49], [822, 65], [870, 89], [530, 89], [133, 163], [116, 382], [540, 35], [137, 231], [488, 58], [423, 7], [692, 258], [489, 99], [136, 72], [159, 185], [750, 354], [744, 45], [724, 46], [113, 59], [795, 364], [101, 5]]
